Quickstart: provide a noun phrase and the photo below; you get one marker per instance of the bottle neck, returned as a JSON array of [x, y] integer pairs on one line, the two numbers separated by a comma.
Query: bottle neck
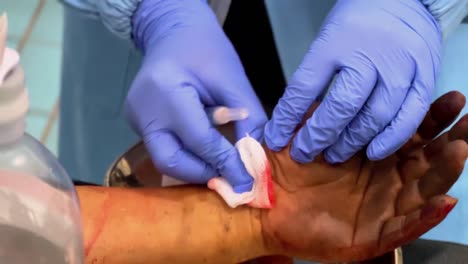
[[14, 104], [12, 132]]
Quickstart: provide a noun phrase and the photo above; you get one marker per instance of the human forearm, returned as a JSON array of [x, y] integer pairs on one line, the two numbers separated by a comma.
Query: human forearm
[[173, 225]]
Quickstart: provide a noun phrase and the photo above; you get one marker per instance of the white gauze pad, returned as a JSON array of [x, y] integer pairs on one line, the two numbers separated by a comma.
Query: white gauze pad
[[255, 161]]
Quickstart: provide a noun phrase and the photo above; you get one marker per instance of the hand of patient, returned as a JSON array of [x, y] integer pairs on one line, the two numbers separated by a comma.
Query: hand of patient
[[355, 210], [361, 209]]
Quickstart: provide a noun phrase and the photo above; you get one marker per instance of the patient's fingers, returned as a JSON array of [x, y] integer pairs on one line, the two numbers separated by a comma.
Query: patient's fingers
[[400, 230], [419, 162], [458, 131], [440, 115], [445, 169]]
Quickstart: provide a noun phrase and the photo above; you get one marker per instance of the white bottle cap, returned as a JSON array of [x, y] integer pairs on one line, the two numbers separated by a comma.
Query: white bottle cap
[[14, 100], [14, 105]]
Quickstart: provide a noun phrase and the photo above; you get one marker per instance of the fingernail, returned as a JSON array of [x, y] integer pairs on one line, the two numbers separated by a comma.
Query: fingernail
[[434, 212], [448, 208]]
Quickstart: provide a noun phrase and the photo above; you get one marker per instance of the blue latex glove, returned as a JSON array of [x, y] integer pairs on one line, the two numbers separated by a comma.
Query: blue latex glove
[[189, 64], [386, 54]]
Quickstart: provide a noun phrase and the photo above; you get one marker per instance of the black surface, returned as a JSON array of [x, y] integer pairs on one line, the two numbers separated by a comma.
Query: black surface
[[434, 252], [248, 27], [81, 183]]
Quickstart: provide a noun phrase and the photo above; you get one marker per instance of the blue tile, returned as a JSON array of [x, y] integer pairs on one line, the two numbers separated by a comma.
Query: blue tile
[[52, 140], [35, 125], [12, 42], [19, 14], [49, 27], [42, 67]]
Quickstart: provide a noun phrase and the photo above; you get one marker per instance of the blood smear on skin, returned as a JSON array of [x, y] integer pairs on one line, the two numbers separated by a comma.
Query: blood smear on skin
[[254, 158]]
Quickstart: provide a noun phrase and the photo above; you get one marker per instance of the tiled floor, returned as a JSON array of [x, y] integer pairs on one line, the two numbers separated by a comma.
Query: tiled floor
[[41, 58]]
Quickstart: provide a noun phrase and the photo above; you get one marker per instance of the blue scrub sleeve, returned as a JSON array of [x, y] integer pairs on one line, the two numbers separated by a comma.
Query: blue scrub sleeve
[[449, 13], [116, 15]]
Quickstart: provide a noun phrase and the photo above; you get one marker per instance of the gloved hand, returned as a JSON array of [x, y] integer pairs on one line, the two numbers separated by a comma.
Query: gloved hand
[[189, 64], [386, 54]]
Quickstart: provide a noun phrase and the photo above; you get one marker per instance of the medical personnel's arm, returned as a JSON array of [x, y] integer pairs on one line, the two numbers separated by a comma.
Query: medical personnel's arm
[[355, 210], [117, 14], [189, 64], [448, 13]]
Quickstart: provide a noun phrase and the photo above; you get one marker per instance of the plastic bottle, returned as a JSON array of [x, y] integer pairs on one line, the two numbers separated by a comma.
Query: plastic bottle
[[39, 210]]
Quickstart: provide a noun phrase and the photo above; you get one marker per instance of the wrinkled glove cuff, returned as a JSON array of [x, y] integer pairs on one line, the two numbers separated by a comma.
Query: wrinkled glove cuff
[[117, 15], [448, 13]]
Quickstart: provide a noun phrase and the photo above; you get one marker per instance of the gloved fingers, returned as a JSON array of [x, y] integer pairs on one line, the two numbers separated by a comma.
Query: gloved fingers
[[231, 88], [347, 96], [211, 146], [401, 229], [441, 115], [256, 119], [402, 127], [309, 82], [377, 112], [413, 109], [443, 172], [193, 128], [172, 159]]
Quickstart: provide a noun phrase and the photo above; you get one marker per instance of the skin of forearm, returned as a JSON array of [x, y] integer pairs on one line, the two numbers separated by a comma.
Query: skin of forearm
[[167, 225]]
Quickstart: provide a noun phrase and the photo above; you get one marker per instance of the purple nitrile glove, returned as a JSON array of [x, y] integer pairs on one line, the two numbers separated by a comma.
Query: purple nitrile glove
[[189, 64], [385, 54]]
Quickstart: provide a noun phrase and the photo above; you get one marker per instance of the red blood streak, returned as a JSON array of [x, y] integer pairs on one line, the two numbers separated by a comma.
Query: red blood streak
[[271, 193], [99, 222]]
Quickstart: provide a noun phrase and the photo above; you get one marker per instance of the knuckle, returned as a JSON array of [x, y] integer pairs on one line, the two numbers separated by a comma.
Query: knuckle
[[163, 75], [401, 85], [340, 106], [457, 156], [373, 119], [287, 112], [355, 137], [380, 115]]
